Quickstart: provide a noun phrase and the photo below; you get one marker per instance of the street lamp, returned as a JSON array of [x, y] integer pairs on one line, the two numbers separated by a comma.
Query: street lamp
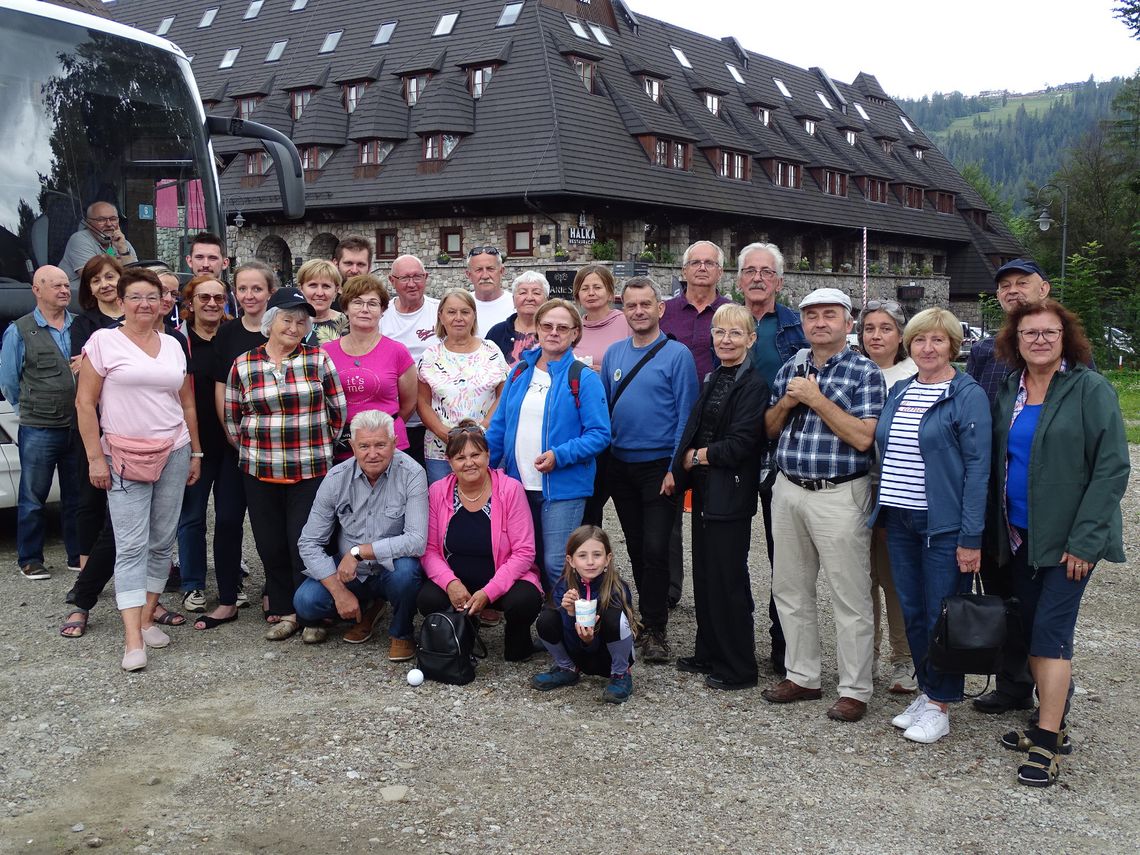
[[1045, 220]]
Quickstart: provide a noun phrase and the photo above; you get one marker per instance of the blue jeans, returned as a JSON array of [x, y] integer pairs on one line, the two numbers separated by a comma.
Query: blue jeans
[[436, 470], [925, 570], [554, 521], [398, 586], [220, 473], [42, 450]]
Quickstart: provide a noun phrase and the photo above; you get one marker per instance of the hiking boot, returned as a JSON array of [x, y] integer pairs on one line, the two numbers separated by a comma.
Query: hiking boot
[[619, 689], [655, 646], [554, 678]]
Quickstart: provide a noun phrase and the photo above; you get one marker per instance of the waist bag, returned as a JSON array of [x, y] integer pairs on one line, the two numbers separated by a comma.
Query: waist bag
[[138, 459], [445, 652]]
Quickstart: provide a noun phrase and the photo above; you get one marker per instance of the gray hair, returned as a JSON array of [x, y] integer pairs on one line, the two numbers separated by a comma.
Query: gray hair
[[770, 248], [695, 244], [528, 277], [372, 420], [89, 210], [272, 314], [642, 282]]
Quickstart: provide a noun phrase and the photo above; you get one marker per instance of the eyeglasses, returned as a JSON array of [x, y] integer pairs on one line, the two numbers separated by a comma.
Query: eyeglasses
[[886, 305], [732, 334], [766, 273], [483, 250], [220, 299], [170, 295], [408, 279], [561, 329], [1050, 335], [371, 305], [701, 263], [150, 299], [114, 219]]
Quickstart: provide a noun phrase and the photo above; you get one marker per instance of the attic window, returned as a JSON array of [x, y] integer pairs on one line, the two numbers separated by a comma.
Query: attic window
[[276, 51], [414, 87], [670, 154], [478, 78], [315, 157], [852, 137], [384, 33], [764, 115], [887, 146], [906, 124], [298, 98], [912, 196], [780, 85], [246, 106], [787, 174], [918, 153], [712, 103], [876, 190], [208, 17], [586, 71], [253, 9], [681, 58], [351, 93], [735, 72], [331, 41], [374, 152], [439, 146], [446, 24], [577, 27], [255, 163], [862, 112], [944, 203], [164, 26], [230, 58], [823, 99], [298, 5], [809, 126], [600, 35], [733, 165], [834, 182], [652, 88], [509, 15]]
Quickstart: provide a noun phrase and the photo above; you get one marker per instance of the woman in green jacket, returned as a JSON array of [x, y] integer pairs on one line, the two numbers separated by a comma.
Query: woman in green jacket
[[1060, 468]]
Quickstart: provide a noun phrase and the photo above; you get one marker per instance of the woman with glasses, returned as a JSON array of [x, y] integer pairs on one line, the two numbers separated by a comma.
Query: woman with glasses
[[880, 332], [602, 324], [551, 425], [719, 458], [319, 281], [1060, 467], [518, 333], [377, 372], [459, 378], [147, 454]]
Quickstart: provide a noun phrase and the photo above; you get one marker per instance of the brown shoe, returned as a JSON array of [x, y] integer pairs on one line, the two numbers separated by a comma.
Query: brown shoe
[[362, 631], [785, 692], [401, 650], [847, 709]]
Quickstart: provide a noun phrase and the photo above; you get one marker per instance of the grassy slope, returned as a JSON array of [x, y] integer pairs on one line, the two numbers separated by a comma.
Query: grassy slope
[[1033, 104]]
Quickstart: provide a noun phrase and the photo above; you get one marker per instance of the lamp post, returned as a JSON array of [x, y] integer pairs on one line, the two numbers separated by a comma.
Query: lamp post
[[1045, 221]]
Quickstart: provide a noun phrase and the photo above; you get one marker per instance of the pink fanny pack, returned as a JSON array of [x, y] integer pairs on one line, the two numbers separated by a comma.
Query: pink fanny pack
[[138, 459]]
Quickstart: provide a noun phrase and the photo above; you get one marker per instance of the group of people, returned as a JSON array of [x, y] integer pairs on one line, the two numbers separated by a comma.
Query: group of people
[[457, 453]]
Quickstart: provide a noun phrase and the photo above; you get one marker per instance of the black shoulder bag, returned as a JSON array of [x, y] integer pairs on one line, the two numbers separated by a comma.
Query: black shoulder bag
[[969, 634]]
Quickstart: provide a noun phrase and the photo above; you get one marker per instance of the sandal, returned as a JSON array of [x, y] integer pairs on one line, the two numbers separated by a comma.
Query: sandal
[[281, 630], [208, 622], [1018, 740], [168, 618], [1040, 770], [80, 625]]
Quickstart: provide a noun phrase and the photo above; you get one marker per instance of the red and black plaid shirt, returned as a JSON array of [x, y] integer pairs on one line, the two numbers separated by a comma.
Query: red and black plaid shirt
[[285, 420]]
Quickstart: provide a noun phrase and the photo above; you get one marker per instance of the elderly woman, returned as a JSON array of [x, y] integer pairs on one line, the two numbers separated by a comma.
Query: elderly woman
[[148, 452], [459, 378], [319, 281], [1060, 467], [602, 324], [933, 440], [719, 458], [552, 423], [518, 333], [880, 332], [284, 410], [480, 548]]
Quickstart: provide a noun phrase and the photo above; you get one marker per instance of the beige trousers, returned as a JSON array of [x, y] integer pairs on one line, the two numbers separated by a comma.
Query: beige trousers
[[881, 581], [824, 530]]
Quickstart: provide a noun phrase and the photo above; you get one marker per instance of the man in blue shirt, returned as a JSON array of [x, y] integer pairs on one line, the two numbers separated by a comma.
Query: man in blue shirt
[[37, 376], [651, 385]]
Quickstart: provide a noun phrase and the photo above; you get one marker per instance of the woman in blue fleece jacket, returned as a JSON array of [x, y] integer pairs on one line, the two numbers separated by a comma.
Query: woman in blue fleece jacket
[[551, 424]]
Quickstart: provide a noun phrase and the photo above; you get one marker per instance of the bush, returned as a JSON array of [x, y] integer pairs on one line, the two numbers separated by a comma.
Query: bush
[[603, 250]]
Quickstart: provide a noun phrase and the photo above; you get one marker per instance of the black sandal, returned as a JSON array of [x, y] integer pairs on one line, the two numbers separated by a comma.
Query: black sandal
[[213, 622], [1040, 770], [169, 618]]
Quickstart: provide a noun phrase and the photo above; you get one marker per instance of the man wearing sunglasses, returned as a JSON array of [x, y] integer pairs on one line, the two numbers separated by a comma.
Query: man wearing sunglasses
[[98, 234], [485, 273]]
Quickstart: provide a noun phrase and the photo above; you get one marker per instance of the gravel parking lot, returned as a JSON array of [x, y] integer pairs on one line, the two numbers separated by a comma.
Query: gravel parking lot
[[228, 743]]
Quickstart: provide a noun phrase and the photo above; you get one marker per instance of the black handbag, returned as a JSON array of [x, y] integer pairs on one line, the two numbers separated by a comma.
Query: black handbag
[[446, 649], [969, 634]]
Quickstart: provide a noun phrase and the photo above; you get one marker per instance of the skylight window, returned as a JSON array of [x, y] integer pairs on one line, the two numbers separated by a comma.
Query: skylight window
[[253, 9], [298, 5], [681, 58], [823, 100], [510, 14], [780, 85], [906, 124], [164, 26], [384, 33], [276, 51], [735, 72], [600, 35], [578, 29], [446, 24], [862, 112], [331, 41], [208, 17], [230, 58]]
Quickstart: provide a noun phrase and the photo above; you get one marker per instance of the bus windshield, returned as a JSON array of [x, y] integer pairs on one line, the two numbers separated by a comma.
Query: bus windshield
[[87, 116]]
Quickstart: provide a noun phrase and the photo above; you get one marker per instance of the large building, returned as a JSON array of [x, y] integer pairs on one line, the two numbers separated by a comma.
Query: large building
[[566, 127]]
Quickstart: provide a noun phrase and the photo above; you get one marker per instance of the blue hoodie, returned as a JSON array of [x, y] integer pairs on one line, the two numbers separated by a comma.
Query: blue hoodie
[[577, 432]]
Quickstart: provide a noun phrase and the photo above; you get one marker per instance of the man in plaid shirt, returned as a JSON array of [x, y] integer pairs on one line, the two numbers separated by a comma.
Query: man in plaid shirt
[[824, 409]]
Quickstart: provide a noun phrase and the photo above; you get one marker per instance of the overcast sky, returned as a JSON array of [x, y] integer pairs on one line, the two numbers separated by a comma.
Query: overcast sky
[[917, 48]]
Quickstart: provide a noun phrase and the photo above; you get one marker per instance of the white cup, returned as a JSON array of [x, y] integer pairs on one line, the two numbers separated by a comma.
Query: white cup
[[586, 612]]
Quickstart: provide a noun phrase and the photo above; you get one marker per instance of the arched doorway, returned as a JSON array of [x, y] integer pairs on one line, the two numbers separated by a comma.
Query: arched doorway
[[322, 246], [275, 252]]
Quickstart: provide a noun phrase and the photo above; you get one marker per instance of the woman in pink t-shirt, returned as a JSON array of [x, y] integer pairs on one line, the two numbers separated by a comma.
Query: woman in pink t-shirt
[[377, 373]]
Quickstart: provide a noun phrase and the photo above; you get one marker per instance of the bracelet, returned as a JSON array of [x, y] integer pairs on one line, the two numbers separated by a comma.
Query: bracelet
[[197, 454]]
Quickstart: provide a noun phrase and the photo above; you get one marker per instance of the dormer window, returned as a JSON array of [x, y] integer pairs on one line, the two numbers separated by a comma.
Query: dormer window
[[652, 88], [586, 70], [314, 157], [809, 126], [918, 153], [764, 115], [246, 106], [670, 154], [887, 145], [439, 146], [478, 78], [733, 164], [298, 98], [780, 85], [414, 85], [852, 137], [350, 96], [712, 103], [255, 163], [164, 26], [876, 190], [787, 174], [374, 152], [944, 203], [912, 196], [834, 182]]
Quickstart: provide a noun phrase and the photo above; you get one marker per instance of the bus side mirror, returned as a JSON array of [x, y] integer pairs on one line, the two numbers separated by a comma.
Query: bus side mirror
[[290, 177]]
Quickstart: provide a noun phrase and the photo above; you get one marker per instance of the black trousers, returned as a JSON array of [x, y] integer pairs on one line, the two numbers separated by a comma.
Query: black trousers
[[277, 513], [596, 504], [779, 646], [91, 509], [726, 638], [519, 605], [1013, 678], [416, 444], [100, 566], [647, 521]]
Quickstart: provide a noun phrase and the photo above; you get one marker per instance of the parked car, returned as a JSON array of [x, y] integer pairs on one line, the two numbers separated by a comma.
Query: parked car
[[10, 459], [1118, 340], [970, 337]]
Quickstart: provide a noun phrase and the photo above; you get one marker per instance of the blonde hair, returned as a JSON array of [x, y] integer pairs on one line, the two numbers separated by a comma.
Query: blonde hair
[[934, 320], [610, 587], [559, 303], [319, 268], [733, 314], [464, 297]]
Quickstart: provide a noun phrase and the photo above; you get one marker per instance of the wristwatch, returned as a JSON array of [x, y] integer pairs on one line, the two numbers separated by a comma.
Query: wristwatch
[[696, 457], [355, 553]]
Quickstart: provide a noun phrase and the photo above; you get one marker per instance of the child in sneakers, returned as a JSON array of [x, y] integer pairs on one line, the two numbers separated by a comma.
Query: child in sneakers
[[604, 648]]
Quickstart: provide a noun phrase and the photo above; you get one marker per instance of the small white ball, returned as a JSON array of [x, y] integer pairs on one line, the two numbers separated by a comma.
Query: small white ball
[[415, 677]]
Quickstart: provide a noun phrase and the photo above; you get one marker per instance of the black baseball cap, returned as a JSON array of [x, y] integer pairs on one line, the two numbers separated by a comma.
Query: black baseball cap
[[1021, 265], [290, 298]]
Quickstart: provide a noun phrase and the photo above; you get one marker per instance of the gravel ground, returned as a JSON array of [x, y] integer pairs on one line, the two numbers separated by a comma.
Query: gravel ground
[[228, 743]]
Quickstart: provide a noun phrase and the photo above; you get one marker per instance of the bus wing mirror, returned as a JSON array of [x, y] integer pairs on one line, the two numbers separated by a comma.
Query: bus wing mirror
[[290, 177]]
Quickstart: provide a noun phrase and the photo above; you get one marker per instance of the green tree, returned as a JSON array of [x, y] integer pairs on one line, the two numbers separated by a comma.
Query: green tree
[[1085, 292], [1128, 11]]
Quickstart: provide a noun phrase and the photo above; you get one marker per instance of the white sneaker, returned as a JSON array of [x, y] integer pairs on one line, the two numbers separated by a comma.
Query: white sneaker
[[931, 726], [902, 680], [910, 715], [194, 601]]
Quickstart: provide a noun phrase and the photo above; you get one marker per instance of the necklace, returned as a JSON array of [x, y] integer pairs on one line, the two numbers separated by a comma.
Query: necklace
[[474, 498]]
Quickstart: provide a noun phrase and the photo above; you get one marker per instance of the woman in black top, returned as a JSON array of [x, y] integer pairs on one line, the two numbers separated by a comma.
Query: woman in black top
[[719, 457]]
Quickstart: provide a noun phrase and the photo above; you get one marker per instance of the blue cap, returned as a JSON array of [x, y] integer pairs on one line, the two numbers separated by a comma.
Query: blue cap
[[1022, 265]]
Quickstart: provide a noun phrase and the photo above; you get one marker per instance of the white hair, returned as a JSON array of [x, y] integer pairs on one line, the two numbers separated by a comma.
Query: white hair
[[271, 315], [695, 244], [528, 277], [372, 420], [770, 248]]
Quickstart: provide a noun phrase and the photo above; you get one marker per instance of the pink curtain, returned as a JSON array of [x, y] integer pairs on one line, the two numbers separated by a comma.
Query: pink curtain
[[166, 205]]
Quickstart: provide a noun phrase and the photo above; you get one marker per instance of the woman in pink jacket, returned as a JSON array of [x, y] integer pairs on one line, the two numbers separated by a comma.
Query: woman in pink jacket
[[480, 549]]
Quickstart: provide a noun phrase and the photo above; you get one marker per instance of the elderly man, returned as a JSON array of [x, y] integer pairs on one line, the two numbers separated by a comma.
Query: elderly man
[[353, 257], [410, 320], [98, 234], [779, 336], [485, 273], [37, 377], [207, 257], [377, 505], [824, 409]]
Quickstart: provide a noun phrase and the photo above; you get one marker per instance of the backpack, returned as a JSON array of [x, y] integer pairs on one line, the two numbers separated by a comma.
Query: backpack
[[445, 652], [573, 377]]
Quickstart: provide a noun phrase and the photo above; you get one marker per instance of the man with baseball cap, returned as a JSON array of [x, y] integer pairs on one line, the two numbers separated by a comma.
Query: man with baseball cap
[[824, 407]]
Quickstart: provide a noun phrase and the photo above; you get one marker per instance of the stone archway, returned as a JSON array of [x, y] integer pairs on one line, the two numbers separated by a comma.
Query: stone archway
[[322, 246], [275, 252]]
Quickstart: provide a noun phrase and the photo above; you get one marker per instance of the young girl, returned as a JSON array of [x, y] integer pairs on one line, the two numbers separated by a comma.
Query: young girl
[[606, 648]]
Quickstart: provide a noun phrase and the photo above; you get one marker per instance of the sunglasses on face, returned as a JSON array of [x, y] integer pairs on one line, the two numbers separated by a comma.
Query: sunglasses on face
[[220, 299]]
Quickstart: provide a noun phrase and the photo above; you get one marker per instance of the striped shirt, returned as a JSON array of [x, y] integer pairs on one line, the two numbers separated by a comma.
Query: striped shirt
[[903, 483], [285, 420]]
